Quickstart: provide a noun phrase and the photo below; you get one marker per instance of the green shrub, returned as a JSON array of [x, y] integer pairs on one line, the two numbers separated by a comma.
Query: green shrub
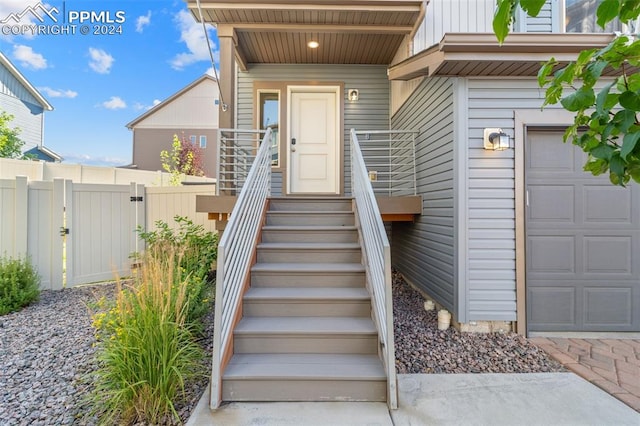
[[146, 348], [19, 284], [196, 250]]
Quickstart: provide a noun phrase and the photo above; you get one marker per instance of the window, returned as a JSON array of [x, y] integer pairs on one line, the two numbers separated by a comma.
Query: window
[[269, 113], [580, 17], [192, 139], [203, 141]]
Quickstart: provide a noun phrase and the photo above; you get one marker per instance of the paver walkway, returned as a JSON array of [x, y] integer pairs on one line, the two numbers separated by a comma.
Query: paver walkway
[[611, 364]]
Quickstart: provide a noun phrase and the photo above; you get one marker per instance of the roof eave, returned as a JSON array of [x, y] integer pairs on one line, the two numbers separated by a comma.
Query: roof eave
[[519, 48], [23, 80]]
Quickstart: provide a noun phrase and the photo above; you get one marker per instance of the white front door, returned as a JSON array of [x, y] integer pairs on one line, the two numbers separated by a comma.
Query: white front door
[[314, 140]]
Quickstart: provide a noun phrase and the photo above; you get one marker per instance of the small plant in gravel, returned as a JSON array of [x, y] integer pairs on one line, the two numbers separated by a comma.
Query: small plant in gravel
[[198, 251], [146, 347], [19, 284]]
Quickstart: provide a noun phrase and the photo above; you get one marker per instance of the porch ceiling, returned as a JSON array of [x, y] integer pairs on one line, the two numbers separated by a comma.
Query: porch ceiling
[[348, 32], [480, 55]]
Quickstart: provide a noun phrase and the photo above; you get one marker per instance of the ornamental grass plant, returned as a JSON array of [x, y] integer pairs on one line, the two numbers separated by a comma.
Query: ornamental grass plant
[[146, 347]]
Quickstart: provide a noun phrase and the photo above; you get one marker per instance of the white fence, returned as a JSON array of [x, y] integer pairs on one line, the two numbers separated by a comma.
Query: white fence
[[43, 171], [77, 233]]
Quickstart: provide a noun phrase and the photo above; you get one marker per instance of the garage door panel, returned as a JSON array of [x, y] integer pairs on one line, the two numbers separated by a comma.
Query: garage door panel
[[551, 203], [608, 255], [552, 254], [582, 242], [548, 156], [603, 204], [608, 307], [552, 306]]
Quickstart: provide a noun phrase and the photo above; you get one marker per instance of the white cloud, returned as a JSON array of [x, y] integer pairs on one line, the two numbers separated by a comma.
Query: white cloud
[[28, 58], [93, 160], [115, 102], [143, 21], [139, 106], [101, 61], [192, 35], [58, 93]]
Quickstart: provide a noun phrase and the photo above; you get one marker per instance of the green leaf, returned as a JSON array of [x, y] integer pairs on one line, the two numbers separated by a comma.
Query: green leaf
[[593, 72], [601, 100], [580, 99], [596, 166], [532, 7], [630, 100], [633, 82], [603, 151], [502, 19], [617, 165], [624, 120], [628, 144], [545, 71], [630, 10], [552, 94], [585, 56], [607, 12]]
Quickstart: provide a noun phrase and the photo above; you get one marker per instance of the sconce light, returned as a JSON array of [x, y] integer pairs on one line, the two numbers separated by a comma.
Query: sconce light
[[496, 140], [354, 95]]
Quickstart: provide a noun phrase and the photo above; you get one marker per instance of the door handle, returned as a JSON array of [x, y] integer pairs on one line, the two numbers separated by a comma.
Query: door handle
[[293, 144], [293, 141]]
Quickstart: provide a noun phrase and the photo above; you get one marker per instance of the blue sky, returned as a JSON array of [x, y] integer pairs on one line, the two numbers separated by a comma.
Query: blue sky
[[99, 83]]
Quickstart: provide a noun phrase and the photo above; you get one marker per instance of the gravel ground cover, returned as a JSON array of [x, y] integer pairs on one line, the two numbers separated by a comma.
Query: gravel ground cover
[[46, 352]]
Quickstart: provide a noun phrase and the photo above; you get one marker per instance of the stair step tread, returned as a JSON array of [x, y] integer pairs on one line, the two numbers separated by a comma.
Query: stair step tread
[[305, 325], [309, 228], [311, 199], [310, 293], [308, 267], [302, 246], [304, 367]]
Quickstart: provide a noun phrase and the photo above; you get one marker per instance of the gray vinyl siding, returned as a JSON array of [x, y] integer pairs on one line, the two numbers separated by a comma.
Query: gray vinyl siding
[[424, 251], [371, 112], [27, 111], [491, 282]]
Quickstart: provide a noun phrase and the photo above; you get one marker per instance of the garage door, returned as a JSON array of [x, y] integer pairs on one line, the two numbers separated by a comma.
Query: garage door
[[582, 242]]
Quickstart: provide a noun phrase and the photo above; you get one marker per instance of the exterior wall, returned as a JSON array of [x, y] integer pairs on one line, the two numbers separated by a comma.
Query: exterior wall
[[453, 16], [371, 112], [147, 144], [194, 109], [424, 251], [476, 16], [491, 284], [28, 113]]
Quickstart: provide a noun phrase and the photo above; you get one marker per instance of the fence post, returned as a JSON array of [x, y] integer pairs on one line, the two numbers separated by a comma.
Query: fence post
[[58, 253], [68, 223], [21, 209], [137, 215]]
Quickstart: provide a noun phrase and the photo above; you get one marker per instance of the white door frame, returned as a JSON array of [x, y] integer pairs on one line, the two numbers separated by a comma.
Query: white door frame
[[337, 90]]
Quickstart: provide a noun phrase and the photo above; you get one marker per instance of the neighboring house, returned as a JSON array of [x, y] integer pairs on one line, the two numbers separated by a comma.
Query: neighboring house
[[42, 153], [20, 98], [191, 113], [519, 238]]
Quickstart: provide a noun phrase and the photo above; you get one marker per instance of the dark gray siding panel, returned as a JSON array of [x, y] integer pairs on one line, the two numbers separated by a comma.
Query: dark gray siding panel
[[491, 196], [424, 251], [371, 112]]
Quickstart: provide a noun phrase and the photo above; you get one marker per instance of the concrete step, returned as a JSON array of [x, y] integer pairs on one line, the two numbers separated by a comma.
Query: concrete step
[[304, 377], [309, 252], [321, 218], [338, 335], [308, 275], [309, 302], [309, 234], [310, 204]]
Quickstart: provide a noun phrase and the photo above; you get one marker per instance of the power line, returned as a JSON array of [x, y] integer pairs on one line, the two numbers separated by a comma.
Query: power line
[[213, 63]]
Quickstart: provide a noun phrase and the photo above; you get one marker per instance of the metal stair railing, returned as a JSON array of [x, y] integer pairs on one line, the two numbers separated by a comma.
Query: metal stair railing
[[390, 157], [237, 149], [377, 255], [235, 252]]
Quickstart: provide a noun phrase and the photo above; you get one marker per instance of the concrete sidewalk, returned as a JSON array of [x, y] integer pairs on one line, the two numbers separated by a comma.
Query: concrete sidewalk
[[445, 399]]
